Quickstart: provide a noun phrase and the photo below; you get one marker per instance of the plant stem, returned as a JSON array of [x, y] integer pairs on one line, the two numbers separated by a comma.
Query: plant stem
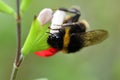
[[18, 20], [14, 73], [19, 57]]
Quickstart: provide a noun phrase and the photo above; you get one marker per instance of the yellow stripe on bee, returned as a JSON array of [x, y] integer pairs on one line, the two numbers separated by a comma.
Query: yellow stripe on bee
[[66, 40]]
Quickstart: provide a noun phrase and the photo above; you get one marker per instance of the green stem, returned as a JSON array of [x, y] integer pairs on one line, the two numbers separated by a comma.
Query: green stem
[[18, 20], [19, 57], [14, 72], [15, 69]]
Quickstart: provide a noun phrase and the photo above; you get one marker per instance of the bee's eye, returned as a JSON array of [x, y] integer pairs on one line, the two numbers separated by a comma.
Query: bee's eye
[[55, 37], [55, 40]]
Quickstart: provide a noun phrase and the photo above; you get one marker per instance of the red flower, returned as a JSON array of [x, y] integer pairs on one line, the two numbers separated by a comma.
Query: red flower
[[47, 53]]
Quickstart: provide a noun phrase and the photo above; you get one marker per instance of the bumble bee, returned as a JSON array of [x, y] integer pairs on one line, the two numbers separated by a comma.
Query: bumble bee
[[72, 36]]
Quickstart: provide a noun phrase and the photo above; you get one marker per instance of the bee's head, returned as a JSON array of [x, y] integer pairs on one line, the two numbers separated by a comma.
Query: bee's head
[[55, 40]]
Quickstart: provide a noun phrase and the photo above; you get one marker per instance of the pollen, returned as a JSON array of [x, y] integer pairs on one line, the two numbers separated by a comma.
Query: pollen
[[66, 40]]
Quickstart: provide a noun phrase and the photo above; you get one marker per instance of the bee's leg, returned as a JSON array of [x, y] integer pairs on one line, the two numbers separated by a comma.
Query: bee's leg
[[77, 27], [61, 30], [74, 11], [53, 29]]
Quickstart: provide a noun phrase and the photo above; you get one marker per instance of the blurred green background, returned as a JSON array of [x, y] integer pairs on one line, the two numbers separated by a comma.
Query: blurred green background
[[99, 62]]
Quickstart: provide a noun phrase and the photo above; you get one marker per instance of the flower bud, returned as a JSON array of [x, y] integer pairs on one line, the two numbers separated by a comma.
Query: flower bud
[[45, 16]]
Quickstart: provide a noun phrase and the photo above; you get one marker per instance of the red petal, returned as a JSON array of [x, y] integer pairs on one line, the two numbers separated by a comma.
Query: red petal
[[47, 53]]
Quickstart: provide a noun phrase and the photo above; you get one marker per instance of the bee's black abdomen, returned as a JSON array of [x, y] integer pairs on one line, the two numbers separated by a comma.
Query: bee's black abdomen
[[75, 43]]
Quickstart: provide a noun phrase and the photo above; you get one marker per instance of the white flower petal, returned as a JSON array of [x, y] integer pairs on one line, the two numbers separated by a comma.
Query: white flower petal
[[45, 16]]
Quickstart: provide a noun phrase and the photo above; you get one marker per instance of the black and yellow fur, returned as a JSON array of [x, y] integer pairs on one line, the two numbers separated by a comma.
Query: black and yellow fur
[[73, 36]]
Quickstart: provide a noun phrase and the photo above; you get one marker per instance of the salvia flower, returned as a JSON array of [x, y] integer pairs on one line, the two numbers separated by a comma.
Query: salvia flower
[[37, 37], [56, 23], [47, 53]]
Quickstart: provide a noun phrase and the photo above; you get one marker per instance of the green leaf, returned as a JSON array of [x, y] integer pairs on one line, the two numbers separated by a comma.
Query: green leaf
[[6, 9], [37, 38], [24, 5]]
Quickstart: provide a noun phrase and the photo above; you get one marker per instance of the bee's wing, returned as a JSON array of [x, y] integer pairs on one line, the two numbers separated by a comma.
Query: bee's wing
[[93, 37]]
